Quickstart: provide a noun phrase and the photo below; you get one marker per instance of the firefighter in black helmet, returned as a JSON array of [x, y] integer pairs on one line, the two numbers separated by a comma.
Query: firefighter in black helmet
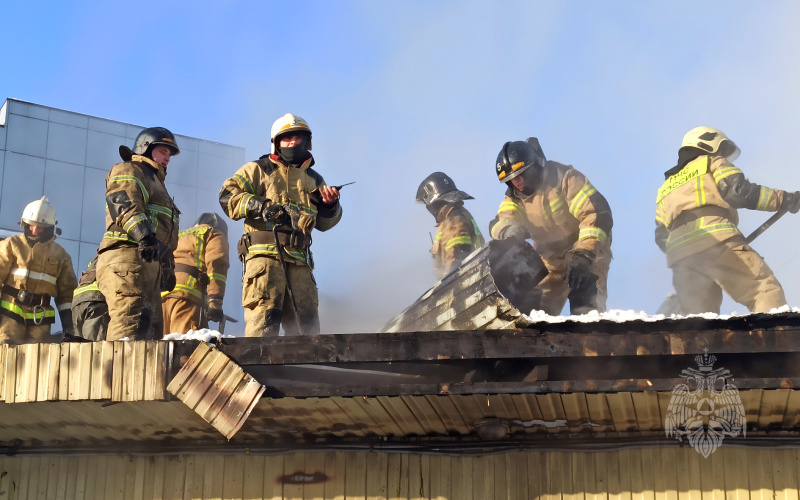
[[566, 217], [134, 262], [457, 233]]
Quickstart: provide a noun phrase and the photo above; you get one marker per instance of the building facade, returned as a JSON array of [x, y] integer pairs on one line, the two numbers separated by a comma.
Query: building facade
[[66, 156]]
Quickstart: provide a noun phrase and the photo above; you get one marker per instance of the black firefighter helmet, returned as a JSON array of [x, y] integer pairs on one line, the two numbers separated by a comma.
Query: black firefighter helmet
[[149, 138], [517, 156], [214, 221], [439, 188]]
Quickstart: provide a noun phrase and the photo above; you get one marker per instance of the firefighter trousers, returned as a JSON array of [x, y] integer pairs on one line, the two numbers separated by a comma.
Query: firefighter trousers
[[132, 289], [182, 315], [731, 266], [266, 300], [14, 332], [90, 319], [555, 290]]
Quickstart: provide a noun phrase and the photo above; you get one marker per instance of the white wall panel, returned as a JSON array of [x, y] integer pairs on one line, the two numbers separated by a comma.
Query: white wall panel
[[185, 198], [69, 118], [23, 182], [183, 168], [94, 205], [66, 143], [108, 127], [3, 138], [63, 185], [26, 135], [28, 109], [102, 149]]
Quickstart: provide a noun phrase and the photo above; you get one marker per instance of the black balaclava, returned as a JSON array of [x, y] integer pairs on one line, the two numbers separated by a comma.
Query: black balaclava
[[47, 234], [531, 177], [685, 155], [297, 155]]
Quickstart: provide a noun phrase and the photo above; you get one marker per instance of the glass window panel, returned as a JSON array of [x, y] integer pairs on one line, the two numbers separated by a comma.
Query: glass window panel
[[208, 201], [187, 143], [26, 135], [131, 132], [63, 185], [65, 143], [69, 118], [23, 182], [93, 221], [102, 150], [88, 252]]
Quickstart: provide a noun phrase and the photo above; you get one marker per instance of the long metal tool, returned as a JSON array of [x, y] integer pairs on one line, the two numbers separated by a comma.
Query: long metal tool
[[671, 304], [286, 274]]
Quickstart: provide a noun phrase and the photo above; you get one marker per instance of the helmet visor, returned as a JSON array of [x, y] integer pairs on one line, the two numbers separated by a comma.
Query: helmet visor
[[730, 150]]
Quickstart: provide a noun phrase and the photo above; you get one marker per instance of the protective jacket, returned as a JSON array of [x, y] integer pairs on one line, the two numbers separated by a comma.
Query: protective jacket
[[457, 236], [696, 207], [269, 180], [565, 212], [201, 265], [137, 202], [44, 270]]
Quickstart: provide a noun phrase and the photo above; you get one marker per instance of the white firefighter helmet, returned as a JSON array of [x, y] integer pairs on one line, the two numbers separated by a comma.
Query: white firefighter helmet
[[39, 213], [711, 140], [288, 123]]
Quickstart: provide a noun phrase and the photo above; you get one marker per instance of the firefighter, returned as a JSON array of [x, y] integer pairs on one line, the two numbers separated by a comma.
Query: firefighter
[[134, 262], [280, 196], [201, 268], [696, 226], [567, 218], [457, 232], [89, 308], [34, 269]]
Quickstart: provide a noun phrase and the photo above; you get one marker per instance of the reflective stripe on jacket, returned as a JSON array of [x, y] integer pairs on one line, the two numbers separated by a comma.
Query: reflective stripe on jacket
[[565, 212], [269, 179], [43, 269], [703, 197], [142, 180], [456, 229], [205, 249]]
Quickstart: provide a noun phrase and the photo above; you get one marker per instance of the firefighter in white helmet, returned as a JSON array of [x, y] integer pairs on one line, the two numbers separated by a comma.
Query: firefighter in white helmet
[[35, 269], [281, 199], [696, 226]]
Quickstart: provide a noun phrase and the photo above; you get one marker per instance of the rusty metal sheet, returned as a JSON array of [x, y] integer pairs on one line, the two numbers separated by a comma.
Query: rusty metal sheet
[[223, 401]]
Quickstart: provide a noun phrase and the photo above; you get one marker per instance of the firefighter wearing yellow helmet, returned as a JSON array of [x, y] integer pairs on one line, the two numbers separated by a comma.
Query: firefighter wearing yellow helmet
[[568, 219], [35, 269], [696, 226], [281, 199], [135, 261]]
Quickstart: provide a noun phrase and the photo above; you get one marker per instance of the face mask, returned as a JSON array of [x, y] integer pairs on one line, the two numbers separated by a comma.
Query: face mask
[[295, 155]]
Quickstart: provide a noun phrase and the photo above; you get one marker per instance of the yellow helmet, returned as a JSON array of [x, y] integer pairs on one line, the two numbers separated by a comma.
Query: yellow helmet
[[288, 123], [711, 140]]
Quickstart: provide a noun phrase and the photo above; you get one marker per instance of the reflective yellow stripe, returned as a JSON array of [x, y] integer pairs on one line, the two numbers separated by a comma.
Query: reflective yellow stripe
[[187, 289], [700, 192], [136, 219], [510, 206], [161, 209], [557, 203], [127, 178], [269, 249], [116, 235], [701, 229], [458, 240], [586, 191], [91, 287], [725, 172], [592, 232], [763, 198], [478, 240], [49, 312], [247, 186], [438, 236], [218, 277], [243, 204], [694, 169]]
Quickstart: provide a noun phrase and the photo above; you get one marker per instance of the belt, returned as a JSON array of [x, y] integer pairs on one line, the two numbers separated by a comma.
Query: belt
[[288, 239], [692, 215], [25, 297], [194, 272]]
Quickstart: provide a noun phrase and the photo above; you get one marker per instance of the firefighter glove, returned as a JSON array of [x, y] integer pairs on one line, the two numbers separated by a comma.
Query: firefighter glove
[[515, 232], [149, 248], [214, 314], [579, 273], [277, 214], [791, 202]]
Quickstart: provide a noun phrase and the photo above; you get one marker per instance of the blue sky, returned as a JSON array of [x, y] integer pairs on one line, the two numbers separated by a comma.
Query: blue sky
[[396, 90]]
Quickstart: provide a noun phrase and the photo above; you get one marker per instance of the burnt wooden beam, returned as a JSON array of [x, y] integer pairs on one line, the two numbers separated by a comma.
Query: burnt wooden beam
[[556, 341]]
